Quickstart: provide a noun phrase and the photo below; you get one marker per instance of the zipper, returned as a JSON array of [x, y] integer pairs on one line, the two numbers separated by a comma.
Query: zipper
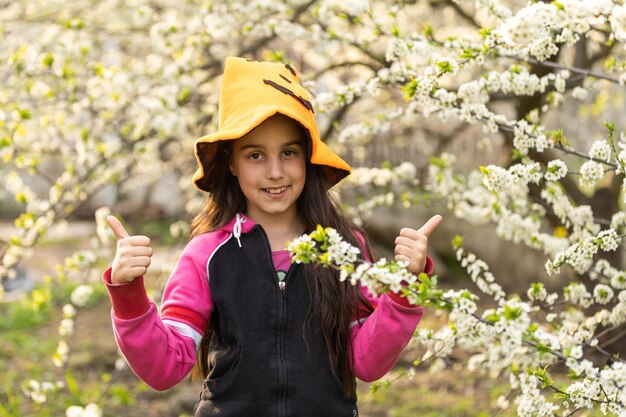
[[282, 289]]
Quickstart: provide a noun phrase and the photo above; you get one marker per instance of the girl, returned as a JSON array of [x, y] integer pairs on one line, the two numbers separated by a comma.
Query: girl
[[270, 338]]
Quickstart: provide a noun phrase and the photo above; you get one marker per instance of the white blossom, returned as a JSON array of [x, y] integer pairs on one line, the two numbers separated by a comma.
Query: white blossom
[[90, 410], [600, 150], [556, 170], [591, 172], [603, 293], [81, 295]]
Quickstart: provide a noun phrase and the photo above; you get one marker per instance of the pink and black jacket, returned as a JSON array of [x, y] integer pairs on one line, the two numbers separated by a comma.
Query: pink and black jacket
[[260, 363]]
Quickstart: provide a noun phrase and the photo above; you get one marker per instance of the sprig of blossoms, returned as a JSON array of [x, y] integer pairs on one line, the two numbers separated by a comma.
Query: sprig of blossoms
[[478, 270], [580, 254], [325, 247]]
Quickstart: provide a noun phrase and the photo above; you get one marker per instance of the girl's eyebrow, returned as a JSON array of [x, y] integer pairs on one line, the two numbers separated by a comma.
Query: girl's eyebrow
[[261, 146]]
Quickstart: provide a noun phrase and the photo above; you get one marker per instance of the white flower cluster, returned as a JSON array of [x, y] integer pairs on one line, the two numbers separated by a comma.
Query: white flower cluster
[[537, 292], [66, 328], [351, 7], [90, 410], [555, 170], [340, 252], [579, 217], [600, 150], [39, 391], [362, 133], [439, 344], [579, 93], [81, 295], [582, 393], [513, 180], [576, 293], [377, 276], [441, 179], [62, 354], [618, 22], [478, 271], [603, 271], [302, 248], [531, 402], [580, 254], [603, 294], [527, 136], [345, 94], [530, 31], [517, 228], [382, 177], [618, 221], [590, 173]]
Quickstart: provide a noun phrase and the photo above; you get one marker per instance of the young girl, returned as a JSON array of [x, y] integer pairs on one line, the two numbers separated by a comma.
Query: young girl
[[270, 338]]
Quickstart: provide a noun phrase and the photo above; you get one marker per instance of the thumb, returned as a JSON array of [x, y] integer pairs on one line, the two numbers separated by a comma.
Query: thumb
[[430, 225], [117, 227]]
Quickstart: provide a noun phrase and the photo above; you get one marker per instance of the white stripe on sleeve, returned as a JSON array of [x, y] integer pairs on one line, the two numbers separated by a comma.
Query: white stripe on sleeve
[[185, 330]]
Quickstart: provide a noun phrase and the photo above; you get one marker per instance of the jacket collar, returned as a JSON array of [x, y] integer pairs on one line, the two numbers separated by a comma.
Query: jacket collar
[[245, 222]]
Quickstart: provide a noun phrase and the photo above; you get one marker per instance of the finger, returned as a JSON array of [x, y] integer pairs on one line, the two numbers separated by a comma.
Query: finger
[[409, 233], [116, 226], [409, 252], [402, 258], [138, 240], [412, 243], [430, 225], [139, 251], [141, 261], [138, 271]]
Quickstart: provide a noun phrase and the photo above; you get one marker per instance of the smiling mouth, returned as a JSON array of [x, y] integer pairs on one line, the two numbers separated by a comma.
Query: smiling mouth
[[275, 190]]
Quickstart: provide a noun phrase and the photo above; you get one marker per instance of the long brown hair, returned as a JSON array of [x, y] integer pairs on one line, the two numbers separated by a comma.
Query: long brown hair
[[337, 303]]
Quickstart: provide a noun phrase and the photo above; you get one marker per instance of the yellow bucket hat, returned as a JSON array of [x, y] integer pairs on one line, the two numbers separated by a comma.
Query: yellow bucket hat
[[253, 91]]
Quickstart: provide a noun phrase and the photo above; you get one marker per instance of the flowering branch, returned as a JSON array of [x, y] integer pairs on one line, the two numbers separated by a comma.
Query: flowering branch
[[509, 325]]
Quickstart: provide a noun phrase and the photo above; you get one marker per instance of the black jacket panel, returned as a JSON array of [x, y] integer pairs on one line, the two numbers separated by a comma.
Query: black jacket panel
[[261, 364]]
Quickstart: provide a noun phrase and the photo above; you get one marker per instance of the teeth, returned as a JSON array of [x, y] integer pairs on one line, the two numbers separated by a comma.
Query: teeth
[[275, 190]]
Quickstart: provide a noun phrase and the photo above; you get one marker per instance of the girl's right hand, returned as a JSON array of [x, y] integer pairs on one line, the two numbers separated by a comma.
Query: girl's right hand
[[132, 258]]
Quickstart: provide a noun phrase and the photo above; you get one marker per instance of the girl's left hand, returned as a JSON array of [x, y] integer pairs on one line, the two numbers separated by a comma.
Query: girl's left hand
[[412, 245]]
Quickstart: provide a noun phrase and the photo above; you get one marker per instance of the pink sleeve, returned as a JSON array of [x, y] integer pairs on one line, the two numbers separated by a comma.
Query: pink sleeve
[[378, 340], [161, 349]]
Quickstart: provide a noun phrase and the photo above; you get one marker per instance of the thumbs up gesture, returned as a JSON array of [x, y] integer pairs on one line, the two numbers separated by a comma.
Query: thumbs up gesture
[[411, 245], [132, 258]]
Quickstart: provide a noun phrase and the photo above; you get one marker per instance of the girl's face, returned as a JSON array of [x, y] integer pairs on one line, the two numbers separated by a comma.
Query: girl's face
[[270, 165]]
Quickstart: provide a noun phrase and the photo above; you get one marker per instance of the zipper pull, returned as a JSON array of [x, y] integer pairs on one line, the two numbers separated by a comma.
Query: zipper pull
[[282, 284]]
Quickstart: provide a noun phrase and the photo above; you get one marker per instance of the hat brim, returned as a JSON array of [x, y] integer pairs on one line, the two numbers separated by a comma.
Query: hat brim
[[206, 146]]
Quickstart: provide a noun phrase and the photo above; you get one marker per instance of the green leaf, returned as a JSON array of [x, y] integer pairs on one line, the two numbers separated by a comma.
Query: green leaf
[[469, 53], [409, 89], [444, 67], [558, 5], [429, 31], [24, 114], [48, 60], [72, 386], [511, 313]]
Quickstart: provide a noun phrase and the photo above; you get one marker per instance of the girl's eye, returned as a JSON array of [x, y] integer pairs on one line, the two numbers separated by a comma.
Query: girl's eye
[[289, 152], [255, 156]]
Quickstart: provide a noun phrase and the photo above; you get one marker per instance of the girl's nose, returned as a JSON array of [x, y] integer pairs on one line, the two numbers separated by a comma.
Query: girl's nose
[[275, 169]]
